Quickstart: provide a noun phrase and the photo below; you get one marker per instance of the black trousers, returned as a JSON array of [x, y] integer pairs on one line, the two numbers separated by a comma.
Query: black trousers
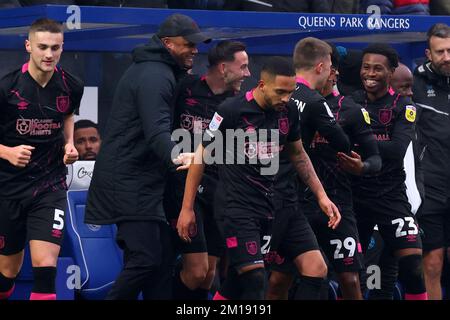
[[148, 261]]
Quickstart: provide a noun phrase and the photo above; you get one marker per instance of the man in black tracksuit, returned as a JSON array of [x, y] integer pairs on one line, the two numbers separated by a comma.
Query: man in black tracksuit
[[129, 177], [196, 102], [432, 95], [381, 198]]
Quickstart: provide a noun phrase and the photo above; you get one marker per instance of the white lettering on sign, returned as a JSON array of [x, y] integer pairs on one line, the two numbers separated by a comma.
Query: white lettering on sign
[[318, 21], [371, 22]]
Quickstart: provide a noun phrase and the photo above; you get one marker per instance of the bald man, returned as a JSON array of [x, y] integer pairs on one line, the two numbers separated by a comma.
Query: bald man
[[402, 80]]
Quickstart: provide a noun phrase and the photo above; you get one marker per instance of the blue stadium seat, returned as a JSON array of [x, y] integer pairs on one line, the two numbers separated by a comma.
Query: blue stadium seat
[[333, 289], [93, 249], [399, 293]]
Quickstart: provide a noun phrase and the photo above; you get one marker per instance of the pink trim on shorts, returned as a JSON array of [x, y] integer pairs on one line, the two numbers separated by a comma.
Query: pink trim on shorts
[[218, 296], [7, 294], [420, 296], [42, 296]]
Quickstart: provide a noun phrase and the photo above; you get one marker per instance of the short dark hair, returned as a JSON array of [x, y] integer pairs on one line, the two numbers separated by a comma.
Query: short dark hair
[[440, 30], [278, 66], [385, 50], [224, 51], [46, 25], [82, 124], [308, 51]]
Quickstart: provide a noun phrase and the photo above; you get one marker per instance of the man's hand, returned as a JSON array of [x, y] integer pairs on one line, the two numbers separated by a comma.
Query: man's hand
[[330, 209], [352, 164], [71, 154], [186, 225], [19, 156], [184, 160]]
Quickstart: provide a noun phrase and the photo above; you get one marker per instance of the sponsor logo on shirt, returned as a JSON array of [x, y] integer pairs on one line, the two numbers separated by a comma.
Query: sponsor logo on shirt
[[191, 123], [382, 137], [262, 149], [348, 261], [36, 127], [430, 92], [23, 103]]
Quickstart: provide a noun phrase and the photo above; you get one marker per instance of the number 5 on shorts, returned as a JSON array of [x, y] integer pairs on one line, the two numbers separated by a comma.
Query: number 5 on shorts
[[59, 219]]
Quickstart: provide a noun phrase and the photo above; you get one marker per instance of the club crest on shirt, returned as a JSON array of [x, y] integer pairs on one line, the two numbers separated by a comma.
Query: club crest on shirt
[[252, 247], [385, 116], [283, 125], [215, 122], [410, 113], [62, 103]]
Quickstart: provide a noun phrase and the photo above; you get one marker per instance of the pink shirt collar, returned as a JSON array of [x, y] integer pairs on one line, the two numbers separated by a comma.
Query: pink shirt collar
[[302, 81]]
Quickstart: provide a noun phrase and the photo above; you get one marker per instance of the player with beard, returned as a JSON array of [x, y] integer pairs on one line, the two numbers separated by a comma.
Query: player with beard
[[248, 187], [129, 177], [432, 96], [196, 103]]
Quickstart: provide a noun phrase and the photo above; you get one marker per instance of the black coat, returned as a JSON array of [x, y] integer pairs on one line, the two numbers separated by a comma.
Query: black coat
[[130, 171], [432, 96]]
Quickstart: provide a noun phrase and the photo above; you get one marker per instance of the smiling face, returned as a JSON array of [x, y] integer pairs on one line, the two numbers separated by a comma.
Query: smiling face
[[235, 72], [45, 50], [181, 50], [376, 74]]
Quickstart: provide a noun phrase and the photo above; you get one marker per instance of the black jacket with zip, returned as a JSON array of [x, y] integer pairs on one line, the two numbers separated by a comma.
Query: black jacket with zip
[[432, 96], [130, 170]]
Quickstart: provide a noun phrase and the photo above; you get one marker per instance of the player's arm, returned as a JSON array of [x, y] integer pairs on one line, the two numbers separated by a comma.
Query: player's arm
[[402, 133], [305, 169], [18, 156], [186, 219], [328, 127], [369, 161], [70, 152]]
